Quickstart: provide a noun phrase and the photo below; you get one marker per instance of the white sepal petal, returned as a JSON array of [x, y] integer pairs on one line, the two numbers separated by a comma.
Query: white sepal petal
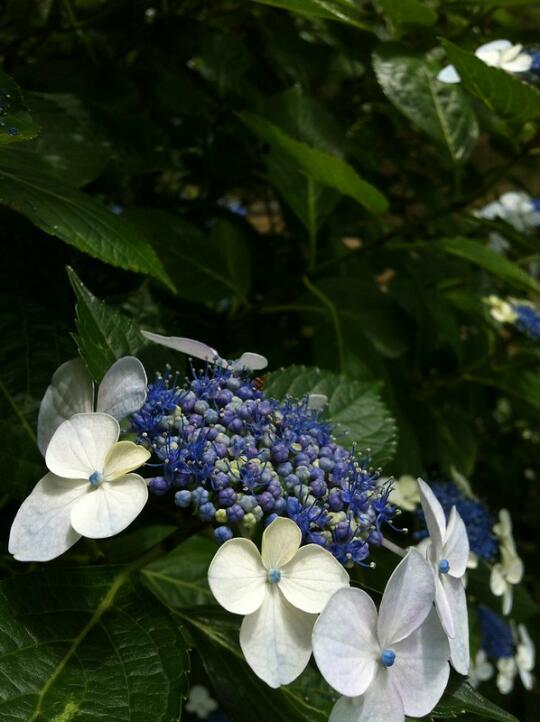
[[276, 639], [237, 577], [459, 644], [79, 446], [123, 457], [123, 388], [280, 542], [521, 64], [421, 669], [491, 46], [435, 519], [109, 508], [311, 577], [380, 703], [443, 607], [456, 546], [71, 392], [344, 643], [317, 402], [42, 530], [407, 600], [448, 75], [252, 361], [189, 346]]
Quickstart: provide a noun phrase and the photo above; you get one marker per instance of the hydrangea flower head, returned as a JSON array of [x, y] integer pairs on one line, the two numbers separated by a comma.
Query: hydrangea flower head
[[236, 457], [390, 664], [498, 54]]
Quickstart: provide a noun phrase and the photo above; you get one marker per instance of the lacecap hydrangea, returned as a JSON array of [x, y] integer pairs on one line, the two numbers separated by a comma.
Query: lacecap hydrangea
[[236, 457]]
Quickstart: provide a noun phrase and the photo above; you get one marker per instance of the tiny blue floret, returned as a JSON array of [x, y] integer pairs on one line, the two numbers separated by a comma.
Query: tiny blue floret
[[444, 566], [388, 657], [96, 478], [273, 576]]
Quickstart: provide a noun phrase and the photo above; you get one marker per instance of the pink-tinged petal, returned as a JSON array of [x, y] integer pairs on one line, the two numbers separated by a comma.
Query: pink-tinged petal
[[189, 346], [444, 609], [123, 388], [421, 670], [448, 75], [380, 703], [71, 392], [459, 644], [311, 577], [280, 542], [435, 519], [237, 577], [345, 646], [407, 599], [80, 445], [110, 507], [276, 639], [456, 547], [42, 530]]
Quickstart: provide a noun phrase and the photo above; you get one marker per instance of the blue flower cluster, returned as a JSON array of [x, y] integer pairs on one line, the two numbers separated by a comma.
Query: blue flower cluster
[[497, 638], [476, 516], [535, 67], [528, 320], [236, 458]]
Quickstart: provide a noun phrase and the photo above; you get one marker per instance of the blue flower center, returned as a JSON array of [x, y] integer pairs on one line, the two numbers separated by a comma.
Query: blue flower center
[[273, 575], [96, 478], [444, 566], [388, 657]]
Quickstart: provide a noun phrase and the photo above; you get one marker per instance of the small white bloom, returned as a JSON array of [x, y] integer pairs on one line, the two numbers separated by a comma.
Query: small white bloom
[[525, 657], [509, 571], [405, 493], [506, 673], [448, 554], [89, 490], [200, 350], [516, 208], [199, 702], [500, 310], [280, 590], [121, 392], [387, 665], [481, 669], [498, 54]]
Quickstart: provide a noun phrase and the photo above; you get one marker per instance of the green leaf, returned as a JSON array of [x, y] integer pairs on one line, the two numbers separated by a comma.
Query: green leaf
[[407, 12], [461, 698], [84, 644], [345, 11], [132, 544], [180, 579], [27, 186], [322, 167], [205, 268], [491, 261], [239, 691], [355, 408], [500, 91], [16, 123], [442, 111], [104, 334], [72, 147]]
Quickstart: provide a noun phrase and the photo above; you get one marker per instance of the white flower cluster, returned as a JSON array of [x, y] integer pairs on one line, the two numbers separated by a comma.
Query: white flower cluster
[[386, 665], [89, 490], [498, 54]]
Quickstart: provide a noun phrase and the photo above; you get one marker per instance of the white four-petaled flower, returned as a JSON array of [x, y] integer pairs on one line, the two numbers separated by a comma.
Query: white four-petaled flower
[[280, 590], [121, 392], [448, 555], [200, 350], [89, 490], [387, 665], [498, 54]]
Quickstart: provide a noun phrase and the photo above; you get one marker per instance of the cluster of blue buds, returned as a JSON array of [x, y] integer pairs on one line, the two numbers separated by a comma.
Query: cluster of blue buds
[[527, 320], [237, 458], [476, 516], [497, 638]]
